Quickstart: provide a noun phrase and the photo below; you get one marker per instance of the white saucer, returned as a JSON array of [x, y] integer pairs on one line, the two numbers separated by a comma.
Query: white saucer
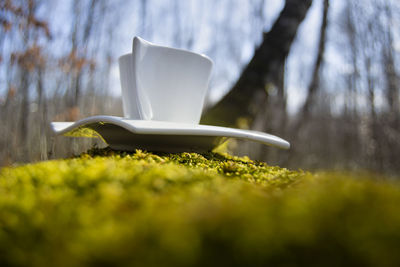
[[124, 134]]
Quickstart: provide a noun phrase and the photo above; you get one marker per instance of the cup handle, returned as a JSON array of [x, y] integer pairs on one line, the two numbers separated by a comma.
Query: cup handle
[[142, 101]]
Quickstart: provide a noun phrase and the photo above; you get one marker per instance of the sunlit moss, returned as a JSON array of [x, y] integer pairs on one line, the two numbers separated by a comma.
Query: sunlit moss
[[117, 208]]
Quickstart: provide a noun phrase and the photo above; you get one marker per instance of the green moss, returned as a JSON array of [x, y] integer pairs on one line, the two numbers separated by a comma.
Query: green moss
[[116, 208]]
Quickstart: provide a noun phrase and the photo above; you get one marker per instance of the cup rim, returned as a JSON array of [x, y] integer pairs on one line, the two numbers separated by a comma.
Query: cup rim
[[145, 42], [172, 48]]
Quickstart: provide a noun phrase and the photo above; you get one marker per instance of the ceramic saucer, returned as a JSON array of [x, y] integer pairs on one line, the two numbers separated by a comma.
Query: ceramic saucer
[[124, 134]]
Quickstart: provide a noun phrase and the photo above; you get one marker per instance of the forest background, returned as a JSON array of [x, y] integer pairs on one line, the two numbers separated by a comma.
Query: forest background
[[322, 74]]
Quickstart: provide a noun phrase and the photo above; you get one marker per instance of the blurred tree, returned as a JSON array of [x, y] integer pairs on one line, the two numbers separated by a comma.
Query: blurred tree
[[78, 58], [42, 78], [392, 83], [264, 72], [305, 110], [22, 16]]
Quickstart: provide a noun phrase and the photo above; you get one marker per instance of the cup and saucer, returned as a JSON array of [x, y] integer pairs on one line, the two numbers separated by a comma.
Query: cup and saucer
[[163, 91]]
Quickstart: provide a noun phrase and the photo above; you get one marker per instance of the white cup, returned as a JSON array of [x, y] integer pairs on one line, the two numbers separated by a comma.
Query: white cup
[[163, 84]]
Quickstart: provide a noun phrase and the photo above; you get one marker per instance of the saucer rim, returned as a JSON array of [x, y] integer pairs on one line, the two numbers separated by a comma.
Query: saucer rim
[[150, 127]]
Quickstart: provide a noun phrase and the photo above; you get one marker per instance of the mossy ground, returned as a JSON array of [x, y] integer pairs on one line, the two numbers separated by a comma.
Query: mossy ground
[[142, 209]]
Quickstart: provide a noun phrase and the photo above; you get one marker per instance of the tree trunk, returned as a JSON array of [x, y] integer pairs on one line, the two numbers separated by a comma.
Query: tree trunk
[[392, 93], [24, 115], [241, 101], [375, 147], [314, 84]]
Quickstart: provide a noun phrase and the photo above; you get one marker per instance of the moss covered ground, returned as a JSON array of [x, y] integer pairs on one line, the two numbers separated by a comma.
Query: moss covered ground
[[107, 208]]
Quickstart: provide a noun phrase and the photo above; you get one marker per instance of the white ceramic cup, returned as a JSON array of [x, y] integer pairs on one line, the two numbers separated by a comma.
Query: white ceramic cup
[[163, 84]]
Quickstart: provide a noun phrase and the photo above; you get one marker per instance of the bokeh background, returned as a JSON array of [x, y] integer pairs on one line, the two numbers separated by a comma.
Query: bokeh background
[[333, 93]]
